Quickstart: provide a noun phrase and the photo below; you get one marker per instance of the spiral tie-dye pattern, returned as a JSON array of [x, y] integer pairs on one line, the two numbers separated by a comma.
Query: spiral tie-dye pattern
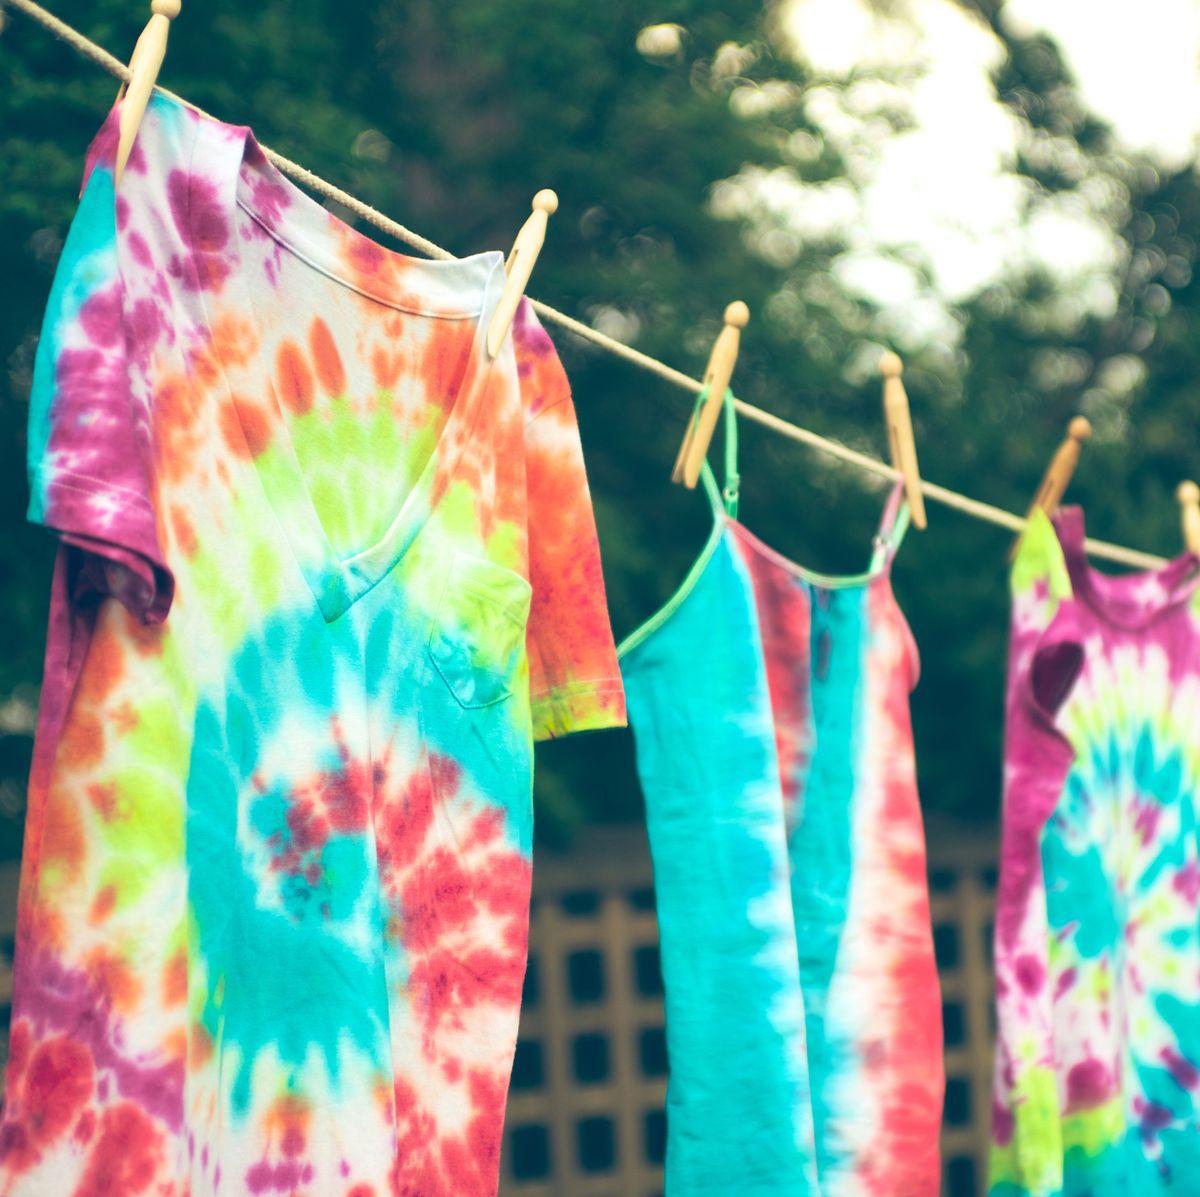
[[1097, 1078], [326, 572]]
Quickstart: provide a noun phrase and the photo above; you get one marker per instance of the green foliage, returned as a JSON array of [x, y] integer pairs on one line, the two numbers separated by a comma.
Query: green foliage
[[449, 117]]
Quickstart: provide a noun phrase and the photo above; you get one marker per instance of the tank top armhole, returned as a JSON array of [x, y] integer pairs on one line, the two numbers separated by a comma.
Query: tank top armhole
[[724, 503], [893, 524], [1040, 576], [650, 625], [1056, 665], [912, 653]]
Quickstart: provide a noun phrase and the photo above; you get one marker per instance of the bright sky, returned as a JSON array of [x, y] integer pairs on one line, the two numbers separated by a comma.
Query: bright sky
[[941, 195], [1137, 64]]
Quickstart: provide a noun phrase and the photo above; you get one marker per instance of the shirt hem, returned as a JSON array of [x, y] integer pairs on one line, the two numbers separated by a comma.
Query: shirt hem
[[582, 706]]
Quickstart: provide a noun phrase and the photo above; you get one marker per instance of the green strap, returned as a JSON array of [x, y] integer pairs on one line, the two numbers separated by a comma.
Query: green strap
[[723, 498], [733, 480]]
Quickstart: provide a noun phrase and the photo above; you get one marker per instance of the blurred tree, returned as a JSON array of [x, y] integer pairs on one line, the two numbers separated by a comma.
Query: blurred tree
[[449, 117]]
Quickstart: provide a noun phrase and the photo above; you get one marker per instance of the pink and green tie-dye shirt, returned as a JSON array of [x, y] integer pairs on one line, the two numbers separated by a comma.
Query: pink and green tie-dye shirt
[[1097, 1081], [327, 572]]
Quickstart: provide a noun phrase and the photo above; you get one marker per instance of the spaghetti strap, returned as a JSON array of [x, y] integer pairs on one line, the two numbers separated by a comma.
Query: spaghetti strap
[[724, 503], [892, 526], [712, 488], [722, 498], [733, 480]]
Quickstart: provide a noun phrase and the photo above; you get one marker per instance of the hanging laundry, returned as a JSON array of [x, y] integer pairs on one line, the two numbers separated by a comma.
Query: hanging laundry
[[770, 710], [274, 908], [1097, 1080]]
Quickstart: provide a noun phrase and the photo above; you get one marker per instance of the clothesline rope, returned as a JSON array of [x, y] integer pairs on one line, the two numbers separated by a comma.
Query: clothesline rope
[[949, 498]]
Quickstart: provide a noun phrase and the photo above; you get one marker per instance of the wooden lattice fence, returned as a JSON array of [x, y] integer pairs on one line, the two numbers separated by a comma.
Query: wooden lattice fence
[[585, 1114]]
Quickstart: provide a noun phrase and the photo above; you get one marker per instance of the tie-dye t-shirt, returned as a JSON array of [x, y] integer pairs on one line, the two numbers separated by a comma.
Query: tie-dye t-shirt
[[774, 745], [327, 572], [1097, 1081]]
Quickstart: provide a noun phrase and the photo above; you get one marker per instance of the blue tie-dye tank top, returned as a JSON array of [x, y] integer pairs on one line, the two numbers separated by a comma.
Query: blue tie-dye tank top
[[770, 709]]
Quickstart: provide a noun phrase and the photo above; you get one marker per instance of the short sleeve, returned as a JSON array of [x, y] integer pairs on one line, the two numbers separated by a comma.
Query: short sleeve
[[574, 679], [88, 453]]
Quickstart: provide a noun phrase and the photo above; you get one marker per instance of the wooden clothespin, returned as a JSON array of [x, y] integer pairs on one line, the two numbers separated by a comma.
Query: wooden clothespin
[[1062, 466], [144, 64], [902, 446], [717, 374], [519, 267], [1188, 494]]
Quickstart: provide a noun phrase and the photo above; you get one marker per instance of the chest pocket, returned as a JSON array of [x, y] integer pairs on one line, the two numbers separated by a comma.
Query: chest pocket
[[479, 630]]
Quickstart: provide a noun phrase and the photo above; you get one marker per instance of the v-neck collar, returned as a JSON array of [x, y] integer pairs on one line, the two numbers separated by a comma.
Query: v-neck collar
[[229, 172]]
